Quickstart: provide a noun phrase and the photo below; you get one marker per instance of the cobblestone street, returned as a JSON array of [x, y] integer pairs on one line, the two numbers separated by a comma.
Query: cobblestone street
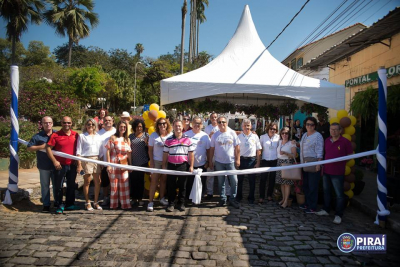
[[202, 236]]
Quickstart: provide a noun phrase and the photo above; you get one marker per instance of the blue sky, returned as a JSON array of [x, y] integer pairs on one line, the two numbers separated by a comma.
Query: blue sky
[[157, 24]]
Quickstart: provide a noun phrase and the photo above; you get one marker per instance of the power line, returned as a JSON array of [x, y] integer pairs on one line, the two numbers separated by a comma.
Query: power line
[[377, 11], [289, 23]]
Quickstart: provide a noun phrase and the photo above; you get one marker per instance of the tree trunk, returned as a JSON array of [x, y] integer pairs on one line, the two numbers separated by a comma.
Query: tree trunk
[[13, 48], [70, 42], [191, 31], [197, 39], [184, 10]]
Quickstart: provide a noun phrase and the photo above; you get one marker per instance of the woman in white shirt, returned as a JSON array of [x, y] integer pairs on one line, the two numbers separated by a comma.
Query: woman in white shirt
[[269, 143], [156, 148], [286, 152], [88, 146]]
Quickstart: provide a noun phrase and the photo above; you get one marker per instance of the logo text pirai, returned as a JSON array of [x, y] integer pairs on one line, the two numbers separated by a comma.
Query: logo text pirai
[[371, 243]]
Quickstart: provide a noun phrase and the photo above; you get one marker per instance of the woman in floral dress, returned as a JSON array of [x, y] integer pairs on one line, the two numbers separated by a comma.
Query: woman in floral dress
[[119, 151]]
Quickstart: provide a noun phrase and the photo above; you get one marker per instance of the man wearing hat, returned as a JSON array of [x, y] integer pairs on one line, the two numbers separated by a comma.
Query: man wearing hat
[[127, 118]]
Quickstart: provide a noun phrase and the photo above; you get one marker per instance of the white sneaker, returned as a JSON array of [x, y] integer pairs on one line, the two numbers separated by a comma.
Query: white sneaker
[[322, 213], [164, 202], [337, 220], [150, 206]]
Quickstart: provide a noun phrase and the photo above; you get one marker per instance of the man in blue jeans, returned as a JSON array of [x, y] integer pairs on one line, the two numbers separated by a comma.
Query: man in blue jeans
[[226, 151], [335, 146], [65, 140], [44, 164]]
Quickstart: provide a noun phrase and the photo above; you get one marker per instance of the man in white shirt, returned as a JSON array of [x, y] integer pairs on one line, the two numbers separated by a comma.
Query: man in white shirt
[[210, 130], [201, 142], [105, 133], [226, 152], [250, 155]]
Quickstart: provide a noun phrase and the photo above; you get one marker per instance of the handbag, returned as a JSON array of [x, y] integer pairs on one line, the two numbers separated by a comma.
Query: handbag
[[292, 174], [308, 159]]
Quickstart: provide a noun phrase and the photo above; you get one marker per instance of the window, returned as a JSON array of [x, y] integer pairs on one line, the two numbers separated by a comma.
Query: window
[[299, 63], [293, 64]]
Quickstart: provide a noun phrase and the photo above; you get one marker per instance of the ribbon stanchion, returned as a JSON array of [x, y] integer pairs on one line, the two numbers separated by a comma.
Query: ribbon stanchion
[[381, 153]]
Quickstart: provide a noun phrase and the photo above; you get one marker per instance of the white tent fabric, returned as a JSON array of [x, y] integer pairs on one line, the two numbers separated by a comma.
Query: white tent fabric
[[246, 66]]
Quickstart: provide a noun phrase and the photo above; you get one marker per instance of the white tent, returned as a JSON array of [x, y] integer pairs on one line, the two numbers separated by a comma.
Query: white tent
[[246, 67]]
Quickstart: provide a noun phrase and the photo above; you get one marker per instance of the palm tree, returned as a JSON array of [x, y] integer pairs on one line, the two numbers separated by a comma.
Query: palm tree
[[69, 19], [184, 11], [17, 14], [139, 49], [201, 18]]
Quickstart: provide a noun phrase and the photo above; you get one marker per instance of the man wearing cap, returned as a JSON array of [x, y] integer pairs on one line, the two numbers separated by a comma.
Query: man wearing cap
[[127, 118]]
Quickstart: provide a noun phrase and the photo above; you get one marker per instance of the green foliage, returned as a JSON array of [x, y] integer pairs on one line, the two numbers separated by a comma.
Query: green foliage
[[268, 111], [309, 108], [39, 99], [79, 52], [288, 107], [88, 82], [26, 130], [37, 54]]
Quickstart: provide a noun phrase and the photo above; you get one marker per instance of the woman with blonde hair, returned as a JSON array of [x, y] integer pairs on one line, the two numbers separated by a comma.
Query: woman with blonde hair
[[88, 146], [156, 147]]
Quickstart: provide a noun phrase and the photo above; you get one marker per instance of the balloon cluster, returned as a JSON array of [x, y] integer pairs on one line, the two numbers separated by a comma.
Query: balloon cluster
[[347, 122], [151, 116]]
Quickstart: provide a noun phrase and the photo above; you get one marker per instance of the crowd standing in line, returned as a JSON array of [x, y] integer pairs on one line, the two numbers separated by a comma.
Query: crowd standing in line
[[183, 149]]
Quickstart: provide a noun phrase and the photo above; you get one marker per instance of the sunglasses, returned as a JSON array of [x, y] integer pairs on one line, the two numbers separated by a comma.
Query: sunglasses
[[221, 122], [197, 123], [272, 129], [162, 123], [66, 122], [310, 124], [90, 124], [284, 133]]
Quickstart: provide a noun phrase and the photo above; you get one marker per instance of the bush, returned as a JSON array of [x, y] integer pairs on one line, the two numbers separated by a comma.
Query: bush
[[26, 130]]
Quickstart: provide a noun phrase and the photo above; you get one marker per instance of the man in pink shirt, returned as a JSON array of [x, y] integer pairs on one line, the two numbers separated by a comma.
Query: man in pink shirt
[[335, 146], [178, 155]]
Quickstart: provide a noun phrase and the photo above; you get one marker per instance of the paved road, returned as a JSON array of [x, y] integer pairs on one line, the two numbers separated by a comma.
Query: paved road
[[202, 236]]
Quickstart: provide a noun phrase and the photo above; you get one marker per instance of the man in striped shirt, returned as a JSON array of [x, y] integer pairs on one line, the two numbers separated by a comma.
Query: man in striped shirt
[[178, 155]]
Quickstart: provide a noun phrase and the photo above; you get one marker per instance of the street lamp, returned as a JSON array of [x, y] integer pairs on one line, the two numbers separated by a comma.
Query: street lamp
[[101, 100], [134, 92]]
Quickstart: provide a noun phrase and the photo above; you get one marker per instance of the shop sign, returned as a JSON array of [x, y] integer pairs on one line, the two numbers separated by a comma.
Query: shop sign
[[367, 78]]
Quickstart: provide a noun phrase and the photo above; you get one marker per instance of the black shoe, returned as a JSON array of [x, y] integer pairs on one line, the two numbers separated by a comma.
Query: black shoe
[[170, 208], [181, 207], [209, 196], [222, 203], [234, 204], [46, 209]]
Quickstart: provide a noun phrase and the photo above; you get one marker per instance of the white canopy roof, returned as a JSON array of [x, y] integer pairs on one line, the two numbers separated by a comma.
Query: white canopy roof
[[245, 66]]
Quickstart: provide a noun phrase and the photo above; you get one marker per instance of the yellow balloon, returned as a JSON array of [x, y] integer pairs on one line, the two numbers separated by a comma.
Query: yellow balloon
[[350, 163], [156, 195], [145, 115], [155, 107], [348, 137], [352, 185], [147, 185], [349, 193], [151, 130], [350, 130], [342, 113], [333, 120], [161, 114], [149, 123], [347, 171], [353, 120]]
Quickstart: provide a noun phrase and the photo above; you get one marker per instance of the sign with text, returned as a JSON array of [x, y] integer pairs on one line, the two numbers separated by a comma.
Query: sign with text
[[367, 78], [371, 243]]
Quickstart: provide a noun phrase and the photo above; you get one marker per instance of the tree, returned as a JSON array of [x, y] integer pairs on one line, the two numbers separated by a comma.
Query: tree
[[37, 54], [201, 18], [62, 53], [17, 14], [184, 11], [5, 59], [68, 19], [121, 59], [88, 83], [139, 49]]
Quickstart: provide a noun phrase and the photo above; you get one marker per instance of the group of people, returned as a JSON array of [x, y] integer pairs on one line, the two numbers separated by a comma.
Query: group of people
[[184, 146]]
